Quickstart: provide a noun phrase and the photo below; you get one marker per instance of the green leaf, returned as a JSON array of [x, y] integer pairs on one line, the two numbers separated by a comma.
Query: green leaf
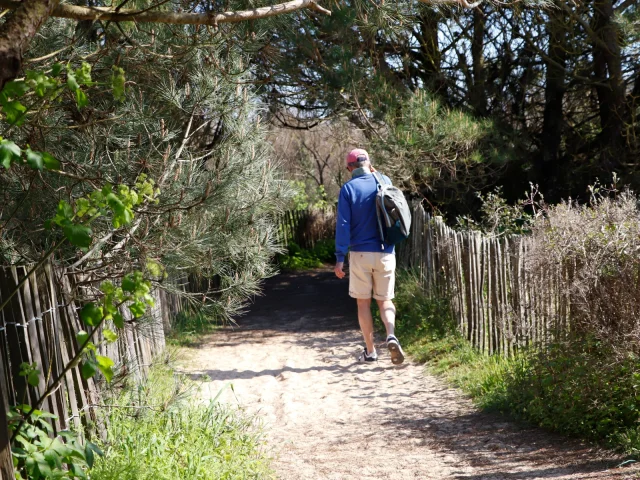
[[95, 448], [78, 235], [15, 88], [91, 314], [82, 337], [50, 162], [110, 335], [39, 82], [105, 364], [56, 69], [117, 83], [89, 369], [9, 152], [128, 283], [33, 378], [88, 455], [137, 309], [52, 456], [72, 82], [34, 159], [118, 320], [81, 99], [78, 471], [83, 74], [14, 111]]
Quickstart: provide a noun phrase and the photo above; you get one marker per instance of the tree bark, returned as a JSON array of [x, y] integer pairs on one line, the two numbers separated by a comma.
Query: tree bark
[[478, 93], [17, 32], [610, 88], [553, 118]]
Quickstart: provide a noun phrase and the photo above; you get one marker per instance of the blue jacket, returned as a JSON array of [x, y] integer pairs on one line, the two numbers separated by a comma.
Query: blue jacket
[[357, 223]]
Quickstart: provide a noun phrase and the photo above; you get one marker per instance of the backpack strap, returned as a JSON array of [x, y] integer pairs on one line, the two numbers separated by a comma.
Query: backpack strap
[[379, 179]]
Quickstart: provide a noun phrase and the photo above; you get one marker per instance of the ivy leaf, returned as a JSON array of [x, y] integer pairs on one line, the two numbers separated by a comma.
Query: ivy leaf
[[50, 162], [78, 235], [81, 98], [118, 320], [34, 159], [105, 364], [89, 369], [9, 152], [91, 314], [110, 335]]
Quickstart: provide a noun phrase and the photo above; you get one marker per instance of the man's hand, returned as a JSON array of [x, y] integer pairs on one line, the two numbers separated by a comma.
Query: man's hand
[[338, 270]]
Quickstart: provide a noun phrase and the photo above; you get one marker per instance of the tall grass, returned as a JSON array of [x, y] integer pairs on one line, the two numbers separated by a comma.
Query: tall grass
[[579, 387], [157, 432]]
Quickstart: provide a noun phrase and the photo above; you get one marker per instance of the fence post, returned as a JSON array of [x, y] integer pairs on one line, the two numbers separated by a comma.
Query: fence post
[[6, 463]]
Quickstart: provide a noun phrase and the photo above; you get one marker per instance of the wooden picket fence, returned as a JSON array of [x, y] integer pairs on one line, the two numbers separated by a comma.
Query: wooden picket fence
[[39, 326], [306, 227], [500, 301]]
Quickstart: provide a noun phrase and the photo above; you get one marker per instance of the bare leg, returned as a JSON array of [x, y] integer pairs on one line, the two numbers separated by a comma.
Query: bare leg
[[388, 315], [366, 322]]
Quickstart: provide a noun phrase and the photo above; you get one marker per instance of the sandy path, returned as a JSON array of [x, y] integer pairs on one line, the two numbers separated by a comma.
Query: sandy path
[[293, 361]]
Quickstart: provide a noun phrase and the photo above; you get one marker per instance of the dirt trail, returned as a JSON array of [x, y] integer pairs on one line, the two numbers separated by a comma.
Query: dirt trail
[[293, 361]]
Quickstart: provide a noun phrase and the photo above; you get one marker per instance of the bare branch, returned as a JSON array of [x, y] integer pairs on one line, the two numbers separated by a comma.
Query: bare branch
[[181, 18]]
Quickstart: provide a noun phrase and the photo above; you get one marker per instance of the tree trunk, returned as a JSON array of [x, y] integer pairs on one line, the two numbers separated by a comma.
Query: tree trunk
[[17, 32], [607, 69], [429, 54], [553, 119], [478, 93]]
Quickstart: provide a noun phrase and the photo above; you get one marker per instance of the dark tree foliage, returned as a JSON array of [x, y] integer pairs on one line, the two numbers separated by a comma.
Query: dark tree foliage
[[558, 84]]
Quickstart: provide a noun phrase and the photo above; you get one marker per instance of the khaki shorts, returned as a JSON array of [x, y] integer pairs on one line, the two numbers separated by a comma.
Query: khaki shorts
[[372, 271]]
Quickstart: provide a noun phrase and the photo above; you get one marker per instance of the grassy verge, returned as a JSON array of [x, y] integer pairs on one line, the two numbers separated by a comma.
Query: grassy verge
[[188, 329], [156, 432], [580, 387]]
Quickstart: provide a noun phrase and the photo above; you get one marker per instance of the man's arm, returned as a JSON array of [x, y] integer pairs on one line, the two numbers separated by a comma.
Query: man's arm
[[343, 231]]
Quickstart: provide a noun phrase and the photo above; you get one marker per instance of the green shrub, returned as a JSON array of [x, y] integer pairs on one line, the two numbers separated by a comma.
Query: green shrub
[[298, 258], [578, 388], [156, 432]]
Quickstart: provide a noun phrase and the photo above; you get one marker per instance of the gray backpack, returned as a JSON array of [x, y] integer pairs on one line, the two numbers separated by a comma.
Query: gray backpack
[[394, 216]]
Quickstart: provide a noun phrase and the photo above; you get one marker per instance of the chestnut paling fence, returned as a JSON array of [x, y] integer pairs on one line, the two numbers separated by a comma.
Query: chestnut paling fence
[[39, 325], [500, 301]]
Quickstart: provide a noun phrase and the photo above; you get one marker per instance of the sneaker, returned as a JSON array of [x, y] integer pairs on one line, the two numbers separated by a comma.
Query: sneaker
[[365, 357], [397, 355]]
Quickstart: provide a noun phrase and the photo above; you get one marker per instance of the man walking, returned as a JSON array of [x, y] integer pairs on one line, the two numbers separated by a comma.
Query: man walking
[[372, 264]]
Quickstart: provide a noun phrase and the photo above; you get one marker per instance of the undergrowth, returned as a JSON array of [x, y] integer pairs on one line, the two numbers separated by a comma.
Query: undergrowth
[[578, 387], [188, 329], [298, 258], [157, 432]]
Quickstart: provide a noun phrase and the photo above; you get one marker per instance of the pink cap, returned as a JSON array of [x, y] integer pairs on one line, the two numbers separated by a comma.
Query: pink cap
[[356, 155]]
